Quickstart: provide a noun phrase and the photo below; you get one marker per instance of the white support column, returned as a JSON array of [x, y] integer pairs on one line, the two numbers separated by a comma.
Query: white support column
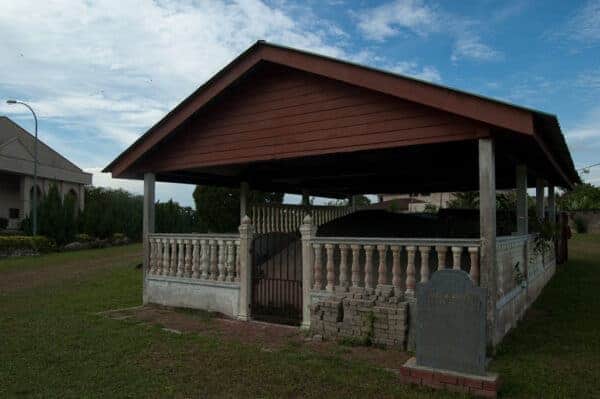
[[307, 231], [244, 189], [305, 198], [246, 237], [25, 196], [487, 227], [551, 204], [522, 217], [148, 223], [539, 198]]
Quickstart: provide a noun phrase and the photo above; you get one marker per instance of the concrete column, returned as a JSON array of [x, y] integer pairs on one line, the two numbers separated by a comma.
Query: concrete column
[[522, 217], [539, 198], [81, 197], [244, 189], [305, 198], [245, 254], [551, 204], [25, 196], [308, 231], [148, 222], [487, 228]]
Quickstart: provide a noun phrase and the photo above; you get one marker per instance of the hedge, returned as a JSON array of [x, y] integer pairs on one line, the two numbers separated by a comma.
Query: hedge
[[39, 244]]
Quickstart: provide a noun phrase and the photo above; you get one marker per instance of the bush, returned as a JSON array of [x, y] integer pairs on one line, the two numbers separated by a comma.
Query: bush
[[3, 223], [580, 225], [39, 244], [83, 238]]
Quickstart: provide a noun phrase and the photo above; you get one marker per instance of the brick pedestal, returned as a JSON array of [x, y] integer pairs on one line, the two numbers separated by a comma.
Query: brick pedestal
[[486, 386]]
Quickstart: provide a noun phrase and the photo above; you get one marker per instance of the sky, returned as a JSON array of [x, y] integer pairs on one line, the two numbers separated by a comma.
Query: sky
[[100, 73]]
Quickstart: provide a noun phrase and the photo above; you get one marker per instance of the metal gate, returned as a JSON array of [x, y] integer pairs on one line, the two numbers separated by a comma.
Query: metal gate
[[277, 278]]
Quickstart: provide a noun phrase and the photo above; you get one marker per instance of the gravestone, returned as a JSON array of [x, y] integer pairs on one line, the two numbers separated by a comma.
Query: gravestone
[[451, 316]]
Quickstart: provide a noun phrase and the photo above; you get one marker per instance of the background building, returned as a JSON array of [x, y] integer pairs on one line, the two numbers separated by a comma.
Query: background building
[[16, 173]]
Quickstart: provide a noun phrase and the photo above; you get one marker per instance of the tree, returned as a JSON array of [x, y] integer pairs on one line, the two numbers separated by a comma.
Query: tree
[[57, 219], [584, 196], [466, 200], [218, 208]]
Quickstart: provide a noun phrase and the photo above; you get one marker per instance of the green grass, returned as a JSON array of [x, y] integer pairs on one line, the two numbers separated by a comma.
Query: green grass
[[54, 344]]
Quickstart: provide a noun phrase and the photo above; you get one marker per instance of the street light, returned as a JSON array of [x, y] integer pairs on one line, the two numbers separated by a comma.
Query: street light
[[35, 162]]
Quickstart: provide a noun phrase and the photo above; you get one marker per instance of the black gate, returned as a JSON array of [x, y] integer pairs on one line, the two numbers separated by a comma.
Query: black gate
[[277, 278]]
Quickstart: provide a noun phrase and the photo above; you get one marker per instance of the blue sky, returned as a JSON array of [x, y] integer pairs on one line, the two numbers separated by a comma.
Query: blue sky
[[101, 73]]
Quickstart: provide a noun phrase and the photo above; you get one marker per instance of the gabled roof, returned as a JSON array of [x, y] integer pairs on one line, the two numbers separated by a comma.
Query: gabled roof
[[17, 148], [496, 114]]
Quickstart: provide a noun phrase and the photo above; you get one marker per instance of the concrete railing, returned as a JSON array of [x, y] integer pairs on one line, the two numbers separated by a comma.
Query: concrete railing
[[387, 264], [196, 256], [285, 218]]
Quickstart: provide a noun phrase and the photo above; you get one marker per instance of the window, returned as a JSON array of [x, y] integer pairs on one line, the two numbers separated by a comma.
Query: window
[[13, 213]]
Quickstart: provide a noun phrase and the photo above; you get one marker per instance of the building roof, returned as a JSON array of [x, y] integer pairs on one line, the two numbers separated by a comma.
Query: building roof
[[543, 128], [17, 155]]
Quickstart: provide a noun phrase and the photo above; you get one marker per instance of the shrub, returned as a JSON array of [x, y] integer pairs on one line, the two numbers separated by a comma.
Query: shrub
[[35, 243], [3, 223], [83, 238], [580, 224]]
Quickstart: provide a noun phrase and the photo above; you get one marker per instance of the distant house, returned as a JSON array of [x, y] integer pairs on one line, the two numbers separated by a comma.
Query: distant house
[[417, 202], [16, 173]]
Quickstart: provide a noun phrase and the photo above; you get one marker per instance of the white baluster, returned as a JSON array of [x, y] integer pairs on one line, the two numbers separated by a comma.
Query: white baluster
[[330, 268], [396, 270], [474, 257], [229, 265], [151, 256], [173, 265], [355, 265], [195, 259], [441, 253], [410, 270], [317, 269], [204, 259], [188, 259], [382, 269], [221, 260], [180, 257], [368, 267], [424, 263], [214, 269], [456, 253], [165, 259], [344, 267], [237, 260]]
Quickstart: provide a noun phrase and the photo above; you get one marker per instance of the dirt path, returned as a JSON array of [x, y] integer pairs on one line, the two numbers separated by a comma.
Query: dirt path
[[57, 271], [271, 337]]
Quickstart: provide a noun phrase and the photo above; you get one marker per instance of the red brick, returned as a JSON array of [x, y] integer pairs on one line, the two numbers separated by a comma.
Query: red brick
[[491, 386], [456, 388], [471, 383], [433, 384], [483, 393], [404, 371], [422, 374], [410, 380], [446, 378]]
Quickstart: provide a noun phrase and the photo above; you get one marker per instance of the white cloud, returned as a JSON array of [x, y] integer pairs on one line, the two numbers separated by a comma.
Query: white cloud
[[471, 47], [391, 19], [400, 17], [411, 68], [585, 135], [585, 23]]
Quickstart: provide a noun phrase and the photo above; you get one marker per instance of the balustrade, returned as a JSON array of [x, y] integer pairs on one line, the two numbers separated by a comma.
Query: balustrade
[[196, 256], [285, 218], [411, 261]]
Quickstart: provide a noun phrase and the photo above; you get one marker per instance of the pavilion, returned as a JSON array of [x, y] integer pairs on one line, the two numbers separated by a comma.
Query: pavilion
[[280, 119]]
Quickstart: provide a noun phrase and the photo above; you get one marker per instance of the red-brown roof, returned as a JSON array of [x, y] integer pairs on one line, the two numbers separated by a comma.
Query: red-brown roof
[[542, 127]]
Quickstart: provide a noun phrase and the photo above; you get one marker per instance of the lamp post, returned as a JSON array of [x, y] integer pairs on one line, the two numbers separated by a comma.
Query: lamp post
[[35, 163]]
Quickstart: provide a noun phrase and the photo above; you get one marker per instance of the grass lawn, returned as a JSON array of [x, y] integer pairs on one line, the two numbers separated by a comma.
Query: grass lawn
[[54, 344]]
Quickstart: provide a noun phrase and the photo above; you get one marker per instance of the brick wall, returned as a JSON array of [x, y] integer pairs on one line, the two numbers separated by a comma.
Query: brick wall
[[374, 319]]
